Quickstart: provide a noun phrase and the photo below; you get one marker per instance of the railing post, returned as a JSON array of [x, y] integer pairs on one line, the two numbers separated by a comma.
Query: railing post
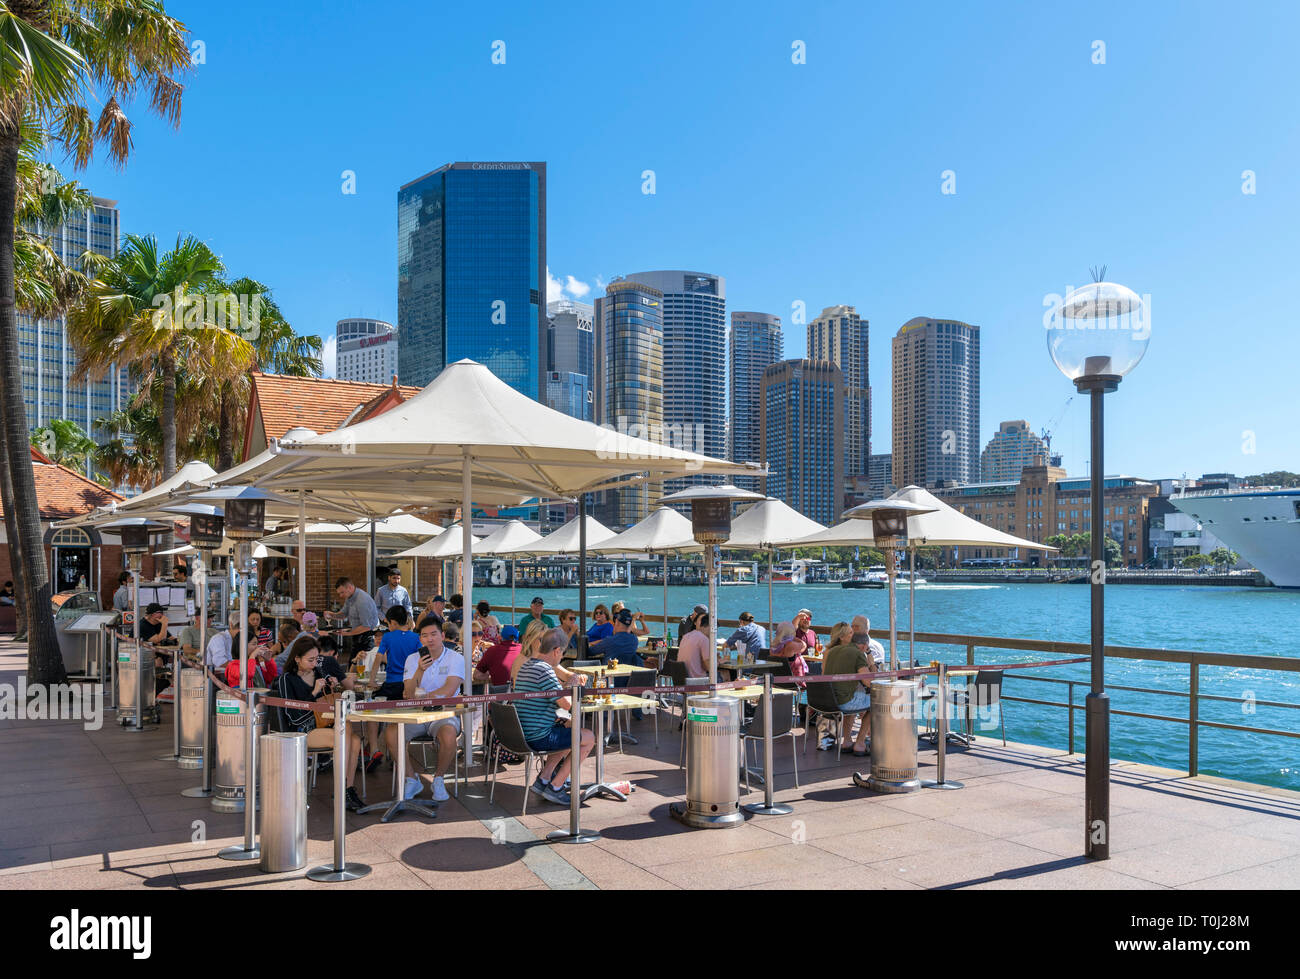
[[1193, 720], [970, 654], [1070, 697]]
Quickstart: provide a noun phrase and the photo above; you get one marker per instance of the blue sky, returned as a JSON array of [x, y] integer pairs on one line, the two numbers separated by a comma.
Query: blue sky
[[817, 183]]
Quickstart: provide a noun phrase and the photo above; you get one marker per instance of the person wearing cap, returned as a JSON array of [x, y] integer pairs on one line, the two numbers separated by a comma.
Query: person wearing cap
[[621, 644], [536, 613], [435, 607], [852, 696], [786, 645], [154, 631], [752, 637], [394, 594], [689, 622], [494, 666]]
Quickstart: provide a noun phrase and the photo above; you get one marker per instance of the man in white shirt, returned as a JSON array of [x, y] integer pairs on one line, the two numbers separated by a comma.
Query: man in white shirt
[[222, 648], [437, 671], [862, 625]]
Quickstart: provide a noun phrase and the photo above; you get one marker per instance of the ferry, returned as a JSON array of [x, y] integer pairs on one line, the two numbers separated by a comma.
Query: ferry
[[1262, 525]]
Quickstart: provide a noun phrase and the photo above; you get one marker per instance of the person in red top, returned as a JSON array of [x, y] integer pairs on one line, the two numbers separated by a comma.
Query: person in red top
[[261, 666], [803, 630], [494, 666]]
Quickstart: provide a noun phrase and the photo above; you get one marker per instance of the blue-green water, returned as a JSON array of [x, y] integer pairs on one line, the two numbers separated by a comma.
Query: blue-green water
[[1257, 621]]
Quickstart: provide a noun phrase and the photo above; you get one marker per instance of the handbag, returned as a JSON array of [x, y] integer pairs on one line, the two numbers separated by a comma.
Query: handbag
[[326, 698]]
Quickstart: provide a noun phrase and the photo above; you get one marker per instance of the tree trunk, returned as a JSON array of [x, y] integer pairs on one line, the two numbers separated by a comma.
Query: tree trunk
[[226, 431], [169, 413], [11, 537], [44, 662]]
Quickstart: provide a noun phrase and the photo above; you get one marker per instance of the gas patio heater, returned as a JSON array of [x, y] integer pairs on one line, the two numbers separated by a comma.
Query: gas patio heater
[[135, 533], [1099, 335]]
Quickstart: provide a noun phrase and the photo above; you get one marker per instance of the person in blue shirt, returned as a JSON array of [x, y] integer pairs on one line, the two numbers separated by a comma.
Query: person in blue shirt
[[603, 627], [622, 646], [753, 636], [398, 644]]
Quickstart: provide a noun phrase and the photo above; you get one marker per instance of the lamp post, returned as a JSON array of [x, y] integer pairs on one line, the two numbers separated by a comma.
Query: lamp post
[[1097, 336], [711, 526]]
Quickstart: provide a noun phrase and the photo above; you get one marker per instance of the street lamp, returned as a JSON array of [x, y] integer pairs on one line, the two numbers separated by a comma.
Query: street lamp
[[711, 526], [1097, 337], [889, 530]]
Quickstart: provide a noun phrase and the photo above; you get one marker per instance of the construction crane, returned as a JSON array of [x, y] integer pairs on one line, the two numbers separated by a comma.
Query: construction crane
[[1051, 425]]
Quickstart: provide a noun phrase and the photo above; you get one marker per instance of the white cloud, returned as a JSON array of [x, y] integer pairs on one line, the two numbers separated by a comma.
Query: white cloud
[[570, 288], [330, 355]]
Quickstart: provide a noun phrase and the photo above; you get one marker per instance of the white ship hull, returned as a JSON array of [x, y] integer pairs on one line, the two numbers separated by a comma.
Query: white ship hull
[[1262, 526]]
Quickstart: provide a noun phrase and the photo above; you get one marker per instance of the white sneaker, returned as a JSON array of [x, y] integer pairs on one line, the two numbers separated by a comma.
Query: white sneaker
[[413, 788], [439, 790]]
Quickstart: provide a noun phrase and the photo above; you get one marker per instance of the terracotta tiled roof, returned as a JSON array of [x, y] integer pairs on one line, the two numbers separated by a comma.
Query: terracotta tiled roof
[[321, 404], [62, 493]]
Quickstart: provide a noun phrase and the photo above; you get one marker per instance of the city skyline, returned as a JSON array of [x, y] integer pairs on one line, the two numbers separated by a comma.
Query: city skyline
[[1198, 109]]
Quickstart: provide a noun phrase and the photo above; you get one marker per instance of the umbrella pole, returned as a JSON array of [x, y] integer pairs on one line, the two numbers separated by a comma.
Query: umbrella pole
[[582, 577], [666, 641], [466, 589], [911, 605], [512, 588], [771, 620], [302, 549], [370, 568]]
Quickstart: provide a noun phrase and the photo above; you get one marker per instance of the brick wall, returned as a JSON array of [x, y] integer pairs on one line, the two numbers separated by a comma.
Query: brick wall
[[110, 565]]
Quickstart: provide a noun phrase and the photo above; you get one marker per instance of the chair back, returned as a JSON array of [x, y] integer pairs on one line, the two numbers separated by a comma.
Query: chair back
[[506, 727], [986, 689], [587, 662], [782, 715], [782, 667], [677, 672], [670, 654], [821, 697], [641, 678]]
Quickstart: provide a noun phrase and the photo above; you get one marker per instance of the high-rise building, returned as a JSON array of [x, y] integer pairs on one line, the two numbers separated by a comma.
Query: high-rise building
[[366, 351], [629, 330], [802, 418], [1008, 452], [695, 363], [471, 272], [936, 402], [48, 360], [840, 335], [756, 344], [880, 476], [570, 353]]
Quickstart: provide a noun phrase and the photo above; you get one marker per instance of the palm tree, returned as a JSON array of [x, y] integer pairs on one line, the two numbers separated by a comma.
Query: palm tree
[[63, 442], [57, 57]]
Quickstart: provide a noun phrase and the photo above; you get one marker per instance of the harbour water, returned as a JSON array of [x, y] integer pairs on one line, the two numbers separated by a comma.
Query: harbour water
[[1257, 621]]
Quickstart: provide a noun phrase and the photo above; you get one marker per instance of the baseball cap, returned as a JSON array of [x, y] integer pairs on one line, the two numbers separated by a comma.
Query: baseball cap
[[154, 607], [624, 616], [510, 633], [537, 600], [308, 621], [698, 609], [804, 611], [437, 598]]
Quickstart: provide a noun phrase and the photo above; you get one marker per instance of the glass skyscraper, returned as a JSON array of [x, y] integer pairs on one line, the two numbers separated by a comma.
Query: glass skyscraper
[[756, 344], [936, 401], [46, 357], [471, 273], [841, 336], [630, 388], [570, 354], [694, 362], [802, 418]]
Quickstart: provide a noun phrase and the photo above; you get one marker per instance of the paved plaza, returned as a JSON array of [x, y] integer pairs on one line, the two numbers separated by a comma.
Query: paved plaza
[[89, 810]]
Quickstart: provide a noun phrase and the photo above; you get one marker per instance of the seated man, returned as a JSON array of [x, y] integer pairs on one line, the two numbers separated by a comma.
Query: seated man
[[852, 657], [221, 645], [191, 640], [536, 613], [620, 645], [437, 671], [752, 637], [543, 730], [862, 624], [494, 666], [694, 650]]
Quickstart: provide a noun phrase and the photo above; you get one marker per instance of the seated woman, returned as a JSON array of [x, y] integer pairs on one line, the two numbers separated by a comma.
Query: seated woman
[[528, 647], [489, 623], [848, 653], [694, 650], [256, 631], [602, 626], [788, 647], [304, 678]]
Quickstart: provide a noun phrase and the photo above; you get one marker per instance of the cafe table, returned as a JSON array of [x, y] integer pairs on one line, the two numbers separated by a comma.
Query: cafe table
[[590, 705], [734, 665], [426, 807], [928, 694], [613, 672]]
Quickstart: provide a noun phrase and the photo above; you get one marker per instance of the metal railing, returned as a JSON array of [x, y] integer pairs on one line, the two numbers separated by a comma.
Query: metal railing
[[1193, 659]]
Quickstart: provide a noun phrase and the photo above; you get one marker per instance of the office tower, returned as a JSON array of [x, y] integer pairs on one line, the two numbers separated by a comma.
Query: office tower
[[839, 335], [471, 272], [802, 418], [756, 344], [570, 353], [880, 476], [695, 363], [366, 351], [1014, 447], [630, 354], [936, 402], [48, 360]]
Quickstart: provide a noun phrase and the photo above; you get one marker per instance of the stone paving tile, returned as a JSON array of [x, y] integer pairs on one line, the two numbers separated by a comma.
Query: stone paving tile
[[1009, 822], [74, 829], [92, 878], [959, 866], [25, 859], [667, 841], [820, 824], [1073, 873], [1191, 858], [17, 820], [1275, 875], [609, 871], [887, 842], [739, 869], [1129, 831], [851, 878]]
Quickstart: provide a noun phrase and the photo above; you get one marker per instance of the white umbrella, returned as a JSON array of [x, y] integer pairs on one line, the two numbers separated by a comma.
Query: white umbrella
[[566, 540], [445, 545], [507, 538], [665, 531], [765, 526]]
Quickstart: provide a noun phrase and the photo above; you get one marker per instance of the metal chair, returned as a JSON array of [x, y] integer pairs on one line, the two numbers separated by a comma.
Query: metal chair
[[644, 678], [588, 662], [782, 725], [509, 734], [822, 703], [985, 690], [423, 742]]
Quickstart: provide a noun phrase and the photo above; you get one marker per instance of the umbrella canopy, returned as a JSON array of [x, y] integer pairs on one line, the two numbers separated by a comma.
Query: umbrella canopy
[[509, 536], [949, 527], [565, 540], [150, 502], [516, 449], [767, 524], [399, 530], [227, 549], [664, 531], [448, 544]]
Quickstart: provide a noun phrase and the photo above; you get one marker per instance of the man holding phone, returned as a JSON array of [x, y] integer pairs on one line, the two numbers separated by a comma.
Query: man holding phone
[[436, 671]]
